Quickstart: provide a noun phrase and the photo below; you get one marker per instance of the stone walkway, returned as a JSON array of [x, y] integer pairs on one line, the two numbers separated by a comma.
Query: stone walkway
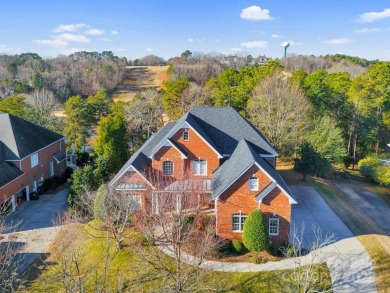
[[33, 228], [348, 262]]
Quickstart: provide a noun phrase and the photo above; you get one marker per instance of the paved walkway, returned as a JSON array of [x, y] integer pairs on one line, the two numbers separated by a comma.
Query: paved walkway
[[348, 262], [33, 225], [371, 204]]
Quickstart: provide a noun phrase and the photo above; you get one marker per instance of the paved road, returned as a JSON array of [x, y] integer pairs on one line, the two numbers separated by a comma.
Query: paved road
[[348, 262], [33, 227], [371, 204]]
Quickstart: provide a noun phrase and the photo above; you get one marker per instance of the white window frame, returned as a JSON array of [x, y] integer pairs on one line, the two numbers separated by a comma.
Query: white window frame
[[34, 186], [135, 201], [253, 184], [197, 167], [51, 168], [165, 172], [273, 227], [34, 159], [186, 135], [241, 220]]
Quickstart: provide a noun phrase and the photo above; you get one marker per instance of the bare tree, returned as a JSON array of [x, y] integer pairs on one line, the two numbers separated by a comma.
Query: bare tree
[[43, 104], [75, 270], [10, 259], [305, 272], [112, 208], [177, 222], [279, 108]]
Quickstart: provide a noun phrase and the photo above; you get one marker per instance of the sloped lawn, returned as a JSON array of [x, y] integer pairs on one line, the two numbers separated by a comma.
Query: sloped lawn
[[126, 270]]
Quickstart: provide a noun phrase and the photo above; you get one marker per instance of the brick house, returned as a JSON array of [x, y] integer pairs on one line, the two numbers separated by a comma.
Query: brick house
[[29, 154], [232, 159]]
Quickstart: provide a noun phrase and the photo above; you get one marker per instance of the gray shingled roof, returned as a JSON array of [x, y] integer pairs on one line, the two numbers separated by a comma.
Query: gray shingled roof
[[8, 172], [243, 157], [21, 138], [140, 159], [226, 127]]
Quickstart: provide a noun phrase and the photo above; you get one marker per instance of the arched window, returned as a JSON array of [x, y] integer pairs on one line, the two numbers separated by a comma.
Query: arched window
[[168, 168], [253, 183], [238, 221], [186, 135], [274, 225]]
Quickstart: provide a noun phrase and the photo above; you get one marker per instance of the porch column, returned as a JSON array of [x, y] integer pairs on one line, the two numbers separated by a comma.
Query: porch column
[[28, 192], [13, 202]]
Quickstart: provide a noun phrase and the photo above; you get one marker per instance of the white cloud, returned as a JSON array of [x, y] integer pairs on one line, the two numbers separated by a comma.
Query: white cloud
[[255, 13], [69, 27], [72, 38], [373, 16], [339, 41], [255, 44], [52, 42], [95, 32], [105, 40], [114, 32], [191, 40], [276, 36], [366, 30], [235, 49], [148, 50], [292, 43]]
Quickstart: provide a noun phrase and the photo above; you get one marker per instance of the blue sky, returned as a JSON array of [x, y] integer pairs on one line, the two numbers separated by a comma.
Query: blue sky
[[135, 28]]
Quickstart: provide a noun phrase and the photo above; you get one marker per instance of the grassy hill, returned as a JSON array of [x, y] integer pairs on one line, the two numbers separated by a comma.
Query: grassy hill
[[138, 78]]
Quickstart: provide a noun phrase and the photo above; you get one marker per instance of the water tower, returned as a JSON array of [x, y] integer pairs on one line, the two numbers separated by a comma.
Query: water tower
[[285, 45]]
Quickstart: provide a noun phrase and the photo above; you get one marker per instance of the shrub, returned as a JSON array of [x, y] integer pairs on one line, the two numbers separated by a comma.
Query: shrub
[[50, 184], [382, 175], [347, 161], [367, 166], [236, 247], [100, 203], [255, 237]]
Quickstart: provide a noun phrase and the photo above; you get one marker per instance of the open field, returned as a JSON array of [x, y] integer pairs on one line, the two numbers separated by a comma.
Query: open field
[[369, 233], [138, 78]]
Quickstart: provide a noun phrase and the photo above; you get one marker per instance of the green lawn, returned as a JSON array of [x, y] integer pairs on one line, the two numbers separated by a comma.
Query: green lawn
[[129, 272]]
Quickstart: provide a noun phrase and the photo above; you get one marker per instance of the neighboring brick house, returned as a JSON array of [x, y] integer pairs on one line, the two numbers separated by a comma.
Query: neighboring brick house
[[233, 159], [29, 154]]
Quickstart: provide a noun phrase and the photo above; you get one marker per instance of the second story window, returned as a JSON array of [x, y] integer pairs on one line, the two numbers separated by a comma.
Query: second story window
[[200, 167], [253, 184], [186, 135], [167, 168], [34, 160]]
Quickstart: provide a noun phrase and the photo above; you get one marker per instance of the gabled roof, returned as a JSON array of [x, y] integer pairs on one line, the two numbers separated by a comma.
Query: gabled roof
[[244, 157], [226, 127], [21, 138], [8, 173], [140, 159]]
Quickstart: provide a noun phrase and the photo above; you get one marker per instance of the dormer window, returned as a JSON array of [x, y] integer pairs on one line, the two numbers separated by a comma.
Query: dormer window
[[253, 183], [186, 135]]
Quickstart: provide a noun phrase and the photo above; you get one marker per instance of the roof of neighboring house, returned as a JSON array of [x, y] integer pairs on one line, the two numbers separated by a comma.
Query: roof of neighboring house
[[22, 138], [244, 157], [8, 173]]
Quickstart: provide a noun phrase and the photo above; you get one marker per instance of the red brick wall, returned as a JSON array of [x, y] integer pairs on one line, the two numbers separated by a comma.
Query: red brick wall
[[169, 154], [196, 148], [277, 203], [238, 198], [45, 156]]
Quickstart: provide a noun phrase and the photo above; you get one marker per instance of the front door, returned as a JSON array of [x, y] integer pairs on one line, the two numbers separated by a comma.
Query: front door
[[34, 185]]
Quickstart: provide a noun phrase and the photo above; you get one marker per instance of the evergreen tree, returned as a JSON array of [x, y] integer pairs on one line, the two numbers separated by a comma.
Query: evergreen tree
[[255, 236]]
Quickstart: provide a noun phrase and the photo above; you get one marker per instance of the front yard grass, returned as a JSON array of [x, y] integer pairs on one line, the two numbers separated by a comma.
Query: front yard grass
[[129, 272], [366, 230]]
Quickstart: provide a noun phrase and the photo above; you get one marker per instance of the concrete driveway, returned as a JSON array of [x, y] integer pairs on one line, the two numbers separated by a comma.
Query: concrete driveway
[[312, 211], [349, 263], [371, 204], [32, 225]]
